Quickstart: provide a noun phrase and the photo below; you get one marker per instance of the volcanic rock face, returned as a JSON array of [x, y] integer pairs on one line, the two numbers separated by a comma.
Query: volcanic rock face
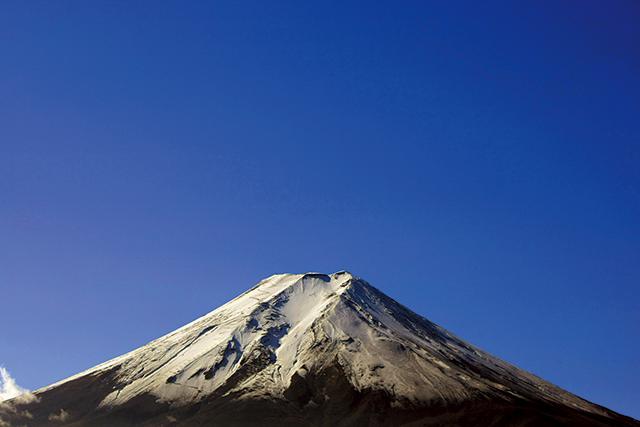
[[305, 350]]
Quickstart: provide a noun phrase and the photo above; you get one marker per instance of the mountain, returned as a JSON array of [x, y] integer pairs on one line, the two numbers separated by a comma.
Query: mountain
[[307, 350]]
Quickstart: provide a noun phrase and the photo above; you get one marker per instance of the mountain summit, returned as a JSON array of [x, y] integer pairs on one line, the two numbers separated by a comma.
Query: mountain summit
[[307, 350]]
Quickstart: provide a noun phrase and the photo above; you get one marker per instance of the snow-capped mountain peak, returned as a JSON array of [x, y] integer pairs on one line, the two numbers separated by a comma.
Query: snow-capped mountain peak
[[307, 344]]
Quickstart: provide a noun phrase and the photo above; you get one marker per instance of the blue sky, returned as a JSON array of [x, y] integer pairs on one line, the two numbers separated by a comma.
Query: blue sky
[[477, 161]]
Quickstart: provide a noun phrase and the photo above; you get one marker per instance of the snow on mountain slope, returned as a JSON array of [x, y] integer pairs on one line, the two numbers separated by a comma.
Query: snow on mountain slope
[[197, 358], [300, 322]]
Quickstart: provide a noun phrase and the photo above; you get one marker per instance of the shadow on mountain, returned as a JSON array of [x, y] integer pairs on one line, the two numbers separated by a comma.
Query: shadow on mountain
[[322, 399]]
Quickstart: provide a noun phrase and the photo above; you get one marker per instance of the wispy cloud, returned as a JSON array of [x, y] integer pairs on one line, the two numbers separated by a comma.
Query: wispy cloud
[[8, 387], [62, 416]]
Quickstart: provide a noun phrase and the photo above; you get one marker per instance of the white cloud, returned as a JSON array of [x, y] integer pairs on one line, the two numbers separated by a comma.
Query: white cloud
[[62, 416], [8, 387]]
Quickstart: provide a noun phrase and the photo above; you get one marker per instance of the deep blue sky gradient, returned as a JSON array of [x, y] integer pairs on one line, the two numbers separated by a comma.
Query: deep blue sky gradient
[[477, 161]]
